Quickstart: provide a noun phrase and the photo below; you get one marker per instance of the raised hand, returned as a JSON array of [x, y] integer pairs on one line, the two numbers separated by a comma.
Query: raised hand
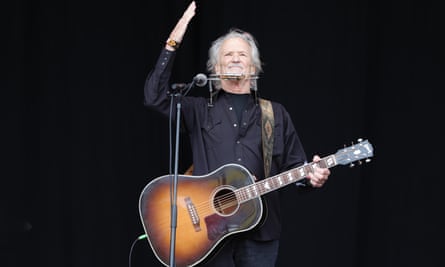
[[176, 36]]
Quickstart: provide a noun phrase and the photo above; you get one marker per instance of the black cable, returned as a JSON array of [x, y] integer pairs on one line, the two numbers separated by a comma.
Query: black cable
[[132, 246]]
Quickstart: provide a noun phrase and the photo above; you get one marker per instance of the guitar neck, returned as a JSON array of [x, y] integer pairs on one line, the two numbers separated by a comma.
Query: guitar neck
[[278, 181]]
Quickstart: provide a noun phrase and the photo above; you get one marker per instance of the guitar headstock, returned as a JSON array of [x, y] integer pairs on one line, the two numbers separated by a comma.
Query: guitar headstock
[[348, 155]]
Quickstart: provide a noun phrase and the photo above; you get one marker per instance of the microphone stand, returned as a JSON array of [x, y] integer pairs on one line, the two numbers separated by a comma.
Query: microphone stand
[[174, 185]]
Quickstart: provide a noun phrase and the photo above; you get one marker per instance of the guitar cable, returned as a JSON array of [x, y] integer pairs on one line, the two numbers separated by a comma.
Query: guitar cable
[[132, 246]]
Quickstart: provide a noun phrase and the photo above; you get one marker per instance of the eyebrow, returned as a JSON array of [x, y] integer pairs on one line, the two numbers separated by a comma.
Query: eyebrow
[[236, 51]]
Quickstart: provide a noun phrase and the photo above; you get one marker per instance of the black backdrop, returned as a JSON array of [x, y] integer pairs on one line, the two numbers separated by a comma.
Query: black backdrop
[[79, 146]]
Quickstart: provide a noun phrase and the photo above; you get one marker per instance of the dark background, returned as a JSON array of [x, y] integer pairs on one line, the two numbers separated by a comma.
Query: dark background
[[78, 145]]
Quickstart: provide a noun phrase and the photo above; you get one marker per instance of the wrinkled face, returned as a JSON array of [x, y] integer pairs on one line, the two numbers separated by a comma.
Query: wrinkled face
[[235, 57]]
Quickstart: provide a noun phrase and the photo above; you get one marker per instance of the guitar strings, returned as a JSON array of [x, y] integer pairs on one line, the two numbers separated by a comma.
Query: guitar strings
[[230, 200], [244, 192], [205, 209], [225, 201]]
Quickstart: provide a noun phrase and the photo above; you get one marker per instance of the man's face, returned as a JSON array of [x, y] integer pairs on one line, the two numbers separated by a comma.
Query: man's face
[[235, 58]]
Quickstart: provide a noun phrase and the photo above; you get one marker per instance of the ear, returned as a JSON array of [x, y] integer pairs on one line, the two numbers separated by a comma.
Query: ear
[[217, 68], [252, 69]]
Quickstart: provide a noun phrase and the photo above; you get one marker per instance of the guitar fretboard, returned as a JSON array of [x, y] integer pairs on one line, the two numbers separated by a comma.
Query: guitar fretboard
[[275, 182]]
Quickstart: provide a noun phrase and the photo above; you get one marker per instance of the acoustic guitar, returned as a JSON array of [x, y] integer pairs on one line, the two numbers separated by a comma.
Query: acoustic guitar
[[222, 203]]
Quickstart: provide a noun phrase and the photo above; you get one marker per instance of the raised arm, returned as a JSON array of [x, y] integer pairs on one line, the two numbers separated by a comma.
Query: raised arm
[[176, 36], [157, 82]]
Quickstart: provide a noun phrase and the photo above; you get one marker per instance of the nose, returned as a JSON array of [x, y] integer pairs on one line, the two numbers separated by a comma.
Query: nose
[[235, 58]]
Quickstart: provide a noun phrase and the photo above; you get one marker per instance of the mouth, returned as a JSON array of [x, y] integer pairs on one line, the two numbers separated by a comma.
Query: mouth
[[236, 69]]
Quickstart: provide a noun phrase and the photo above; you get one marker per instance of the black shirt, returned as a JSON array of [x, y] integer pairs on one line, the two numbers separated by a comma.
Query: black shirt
[[219, 137]]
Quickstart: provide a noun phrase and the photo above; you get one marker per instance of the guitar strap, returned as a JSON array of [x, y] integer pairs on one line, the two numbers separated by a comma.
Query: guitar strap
[[267, 134]]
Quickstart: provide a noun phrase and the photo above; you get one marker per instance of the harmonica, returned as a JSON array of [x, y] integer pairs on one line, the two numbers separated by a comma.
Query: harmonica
[[232, 76]]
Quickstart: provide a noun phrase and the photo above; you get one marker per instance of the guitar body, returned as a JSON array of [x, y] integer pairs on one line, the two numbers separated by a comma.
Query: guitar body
[[219, 204], [208, 210]]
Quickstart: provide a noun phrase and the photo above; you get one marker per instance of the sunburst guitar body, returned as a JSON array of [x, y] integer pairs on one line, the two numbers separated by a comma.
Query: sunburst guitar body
[[212, 207]]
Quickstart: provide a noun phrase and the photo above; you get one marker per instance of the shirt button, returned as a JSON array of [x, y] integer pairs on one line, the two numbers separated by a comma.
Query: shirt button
[[234, 125], [239, 159], [244, 123], [230, 108], [238, 141]]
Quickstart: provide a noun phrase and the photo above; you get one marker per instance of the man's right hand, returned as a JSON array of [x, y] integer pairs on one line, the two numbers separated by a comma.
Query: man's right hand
[[178, 32]]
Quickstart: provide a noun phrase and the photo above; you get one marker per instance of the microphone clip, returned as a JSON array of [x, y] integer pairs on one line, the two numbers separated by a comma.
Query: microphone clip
[[199, 80], [177, 89]]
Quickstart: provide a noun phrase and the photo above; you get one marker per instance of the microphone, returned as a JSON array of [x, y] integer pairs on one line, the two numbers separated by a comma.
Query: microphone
[[200, 80]]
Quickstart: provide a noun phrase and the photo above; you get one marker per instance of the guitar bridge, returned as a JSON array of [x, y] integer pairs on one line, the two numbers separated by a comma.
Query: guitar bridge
[[193, 214]]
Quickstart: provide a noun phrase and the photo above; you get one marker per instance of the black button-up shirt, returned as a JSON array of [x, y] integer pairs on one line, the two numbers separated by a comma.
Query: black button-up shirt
[[218, 137]]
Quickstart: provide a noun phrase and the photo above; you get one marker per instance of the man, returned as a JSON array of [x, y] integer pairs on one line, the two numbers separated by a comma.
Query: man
[[230, 130]]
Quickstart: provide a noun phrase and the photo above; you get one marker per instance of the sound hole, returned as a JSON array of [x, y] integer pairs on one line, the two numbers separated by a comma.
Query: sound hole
[[225, 202]]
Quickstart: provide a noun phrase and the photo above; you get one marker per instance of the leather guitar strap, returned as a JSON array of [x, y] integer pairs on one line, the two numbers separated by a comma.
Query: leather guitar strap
[[267, 135]]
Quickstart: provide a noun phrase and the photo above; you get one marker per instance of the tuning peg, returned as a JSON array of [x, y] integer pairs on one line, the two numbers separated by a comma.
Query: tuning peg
[[360, 140], [367, 160], [351, 165], [360, 162]]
